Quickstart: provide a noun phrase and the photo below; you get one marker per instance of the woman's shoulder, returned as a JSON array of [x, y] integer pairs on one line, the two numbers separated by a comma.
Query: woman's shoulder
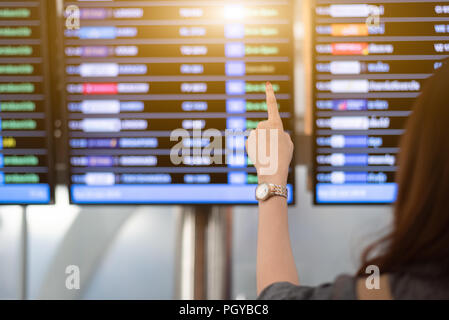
[[343, 288], [402, 285], [419, 286]]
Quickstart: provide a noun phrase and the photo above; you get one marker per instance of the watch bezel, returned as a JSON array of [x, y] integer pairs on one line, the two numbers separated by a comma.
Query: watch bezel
[[267, 195]]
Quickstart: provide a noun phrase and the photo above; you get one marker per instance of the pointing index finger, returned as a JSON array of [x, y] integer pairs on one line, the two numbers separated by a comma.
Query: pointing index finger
[[272, 106]]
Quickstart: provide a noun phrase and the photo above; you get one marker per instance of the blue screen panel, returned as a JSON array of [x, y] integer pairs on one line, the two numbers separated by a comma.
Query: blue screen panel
[[137, 71], [370, 60], [26, 170]]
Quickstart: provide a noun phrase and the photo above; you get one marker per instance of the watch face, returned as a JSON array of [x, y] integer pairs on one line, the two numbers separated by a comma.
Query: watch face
[[262, 191]]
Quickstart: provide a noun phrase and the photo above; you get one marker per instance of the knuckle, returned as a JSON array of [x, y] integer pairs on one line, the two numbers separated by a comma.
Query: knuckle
[[262, 125]]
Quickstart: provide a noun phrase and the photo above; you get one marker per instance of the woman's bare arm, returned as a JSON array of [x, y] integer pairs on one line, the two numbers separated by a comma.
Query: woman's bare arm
[[275, 262]]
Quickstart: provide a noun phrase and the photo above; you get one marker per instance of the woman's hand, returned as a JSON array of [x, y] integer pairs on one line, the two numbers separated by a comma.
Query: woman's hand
[[269, 147]]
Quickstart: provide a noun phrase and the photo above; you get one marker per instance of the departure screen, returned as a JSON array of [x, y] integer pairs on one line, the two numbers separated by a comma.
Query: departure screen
[[371, 59], [150, 84], [25, 157]]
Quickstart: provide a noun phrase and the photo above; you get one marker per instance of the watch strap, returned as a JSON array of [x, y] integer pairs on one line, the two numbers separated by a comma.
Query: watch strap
[[278, 190]]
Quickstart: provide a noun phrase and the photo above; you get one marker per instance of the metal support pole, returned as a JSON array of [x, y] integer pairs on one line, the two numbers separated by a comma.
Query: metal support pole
[[24, 236], [202, 216], [203, 266], [219, 248], [185, 257]]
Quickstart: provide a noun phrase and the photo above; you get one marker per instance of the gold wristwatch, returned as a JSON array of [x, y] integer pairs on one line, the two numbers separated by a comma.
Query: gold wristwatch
[[265, 191]]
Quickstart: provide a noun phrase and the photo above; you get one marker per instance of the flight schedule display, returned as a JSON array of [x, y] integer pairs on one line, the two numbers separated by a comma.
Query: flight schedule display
[[158, 94], [371, 59], [25, 159]]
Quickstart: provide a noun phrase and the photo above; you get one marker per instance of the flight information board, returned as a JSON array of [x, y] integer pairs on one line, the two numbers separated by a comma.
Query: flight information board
[[25, 157], [139, 71], [371, 59]]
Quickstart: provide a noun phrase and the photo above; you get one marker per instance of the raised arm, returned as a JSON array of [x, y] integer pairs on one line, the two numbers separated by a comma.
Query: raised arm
[[275, 262]]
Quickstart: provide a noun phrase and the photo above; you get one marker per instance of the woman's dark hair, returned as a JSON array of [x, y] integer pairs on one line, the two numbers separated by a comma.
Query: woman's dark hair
[[420, 234]]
